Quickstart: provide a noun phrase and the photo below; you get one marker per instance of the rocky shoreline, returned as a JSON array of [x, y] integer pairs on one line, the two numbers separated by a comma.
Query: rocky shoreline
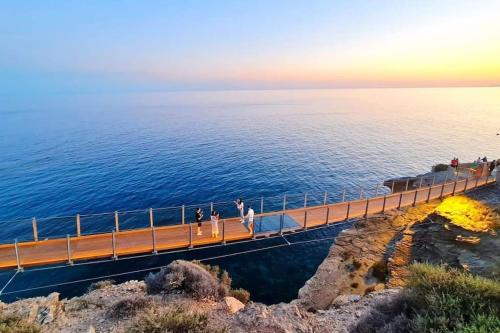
[[366, 265]]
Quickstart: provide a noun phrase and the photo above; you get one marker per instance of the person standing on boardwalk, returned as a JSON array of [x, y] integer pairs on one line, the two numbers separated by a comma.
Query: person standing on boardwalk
[[492, 166], [199, 218], [250, 217], [241, 209], [214, 221]]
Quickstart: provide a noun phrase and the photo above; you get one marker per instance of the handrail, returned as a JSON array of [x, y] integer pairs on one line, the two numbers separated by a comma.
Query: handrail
[[181, 235]]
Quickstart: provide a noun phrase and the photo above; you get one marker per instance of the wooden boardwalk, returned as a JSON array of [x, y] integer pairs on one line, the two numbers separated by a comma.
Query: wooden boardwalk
[[147, 240]]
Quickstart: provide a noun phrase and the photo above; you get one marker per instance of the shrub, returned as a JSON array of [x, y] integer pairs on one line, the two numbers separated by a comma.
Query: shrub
[[391, 316], [240, 294], [216, 272], [438, 300], [174, 321], [450, 299], [14, 324], [100, 285], [481, 324], [440, 167], [128, 307], [187, 277]]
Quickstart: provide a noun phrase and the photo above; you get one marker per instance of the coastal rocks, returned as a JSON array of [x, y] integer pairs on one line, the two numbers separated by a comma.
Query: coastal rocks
[[358, 257], [39, 310], [275, 318], [343, 300], [233, 305]]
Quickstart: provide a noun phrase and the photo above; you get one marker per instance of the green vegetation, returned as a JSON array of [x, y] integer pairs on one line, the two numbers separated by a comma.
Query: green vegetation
[[194, 278], [178, 320], [438, 300], [240, 294], [440, 167], [13, 324]]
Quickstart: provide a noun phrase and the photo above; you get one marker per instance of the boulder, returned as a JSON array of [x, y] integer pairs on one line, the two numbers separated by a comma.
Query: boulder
[[49, 309], [233, 305], [342, 300]]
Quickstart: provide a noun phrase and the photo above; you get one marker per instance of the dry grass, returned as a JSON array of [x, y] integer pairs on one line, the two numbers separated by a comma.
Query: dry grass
[[178, 320], [13, 324]]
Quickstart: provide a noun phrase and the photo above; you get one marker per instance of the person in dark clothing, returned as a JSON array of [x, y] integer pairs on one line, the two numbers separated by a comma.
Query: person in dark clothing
[[492, 167], [199, 218]]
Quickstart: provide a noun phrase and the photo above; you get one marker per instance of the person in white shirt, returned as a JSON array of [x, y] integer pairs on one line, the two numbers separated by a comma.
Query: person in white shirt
[[241, 209], [250, 217], [214, 221]]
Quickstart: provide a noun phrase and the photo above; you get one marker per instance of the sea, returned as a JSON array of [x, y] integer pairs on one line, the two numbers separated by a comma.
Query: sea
[[68, 154]]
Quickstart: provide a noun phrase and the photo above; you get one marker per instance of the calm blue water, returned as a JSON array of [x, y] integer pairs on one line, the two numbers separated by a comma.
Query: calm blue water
[[68, 154]]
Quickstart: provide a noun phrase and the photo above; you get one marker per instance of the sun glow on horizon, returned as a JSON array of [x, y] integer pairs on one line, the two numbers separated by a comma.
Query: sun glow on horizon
[[258, 44]]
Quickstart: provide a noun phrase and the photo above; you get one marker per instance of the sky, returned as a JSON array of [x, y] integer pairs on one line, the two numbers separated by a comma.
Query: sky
[[98, 45]]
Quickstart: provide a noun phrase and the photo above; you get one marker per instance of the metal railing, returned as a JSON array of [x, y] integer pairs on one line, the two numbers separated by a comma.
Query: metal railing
[[295, 213], [89, 224]]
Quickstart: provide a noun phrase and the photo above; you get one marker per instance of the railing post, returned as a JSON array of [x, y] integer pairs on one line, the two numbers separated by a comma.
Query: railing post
[[348, 210], [327, 214], [400, 199], [18, 259], [325, 198], [366, 208], [383, 205], [78, 230], [184, 214], [223, 231], [113, 244], [343, 195], [466, 183], [415, 198], [153, 232], [191, 235], [117, 222], [282, 221], [477, 181], [68, 248], [151, 222], [442, 191], [455, 185], [35, 229], [254, 226], [305, 219], [407, 183], [429, 194], [261, 205]]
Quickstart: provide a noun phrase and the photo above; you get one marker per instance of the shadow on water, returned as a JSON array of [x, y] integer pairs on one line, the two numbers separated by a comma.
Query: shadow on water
[[272, 269]]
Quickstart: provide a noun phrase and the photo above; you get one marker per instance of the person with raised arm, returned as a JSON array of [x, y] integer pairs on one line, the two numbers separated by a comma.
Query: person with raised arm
[[241, 209]]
